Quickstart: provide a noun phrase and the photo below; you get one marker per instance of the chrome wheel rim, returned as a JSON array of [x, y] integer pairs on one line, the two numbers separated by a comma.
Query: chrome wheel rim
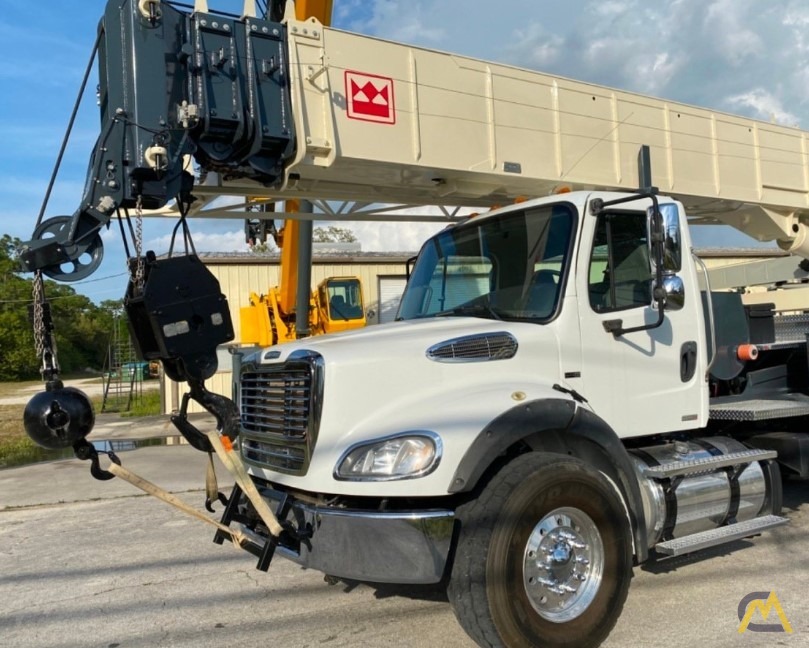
[[563, 564]]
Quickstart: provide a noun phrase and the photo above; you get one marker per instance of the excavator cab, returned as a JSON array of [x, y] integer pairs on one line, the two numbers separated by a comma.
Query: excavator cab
[[339, 304], [336, 305]]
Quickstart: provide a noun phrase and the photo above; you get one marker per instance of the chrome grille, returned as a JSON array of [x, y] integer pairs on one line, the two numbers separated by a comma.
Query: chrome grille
[[280, 412], [275, 455], [277, 402], [475, 348]]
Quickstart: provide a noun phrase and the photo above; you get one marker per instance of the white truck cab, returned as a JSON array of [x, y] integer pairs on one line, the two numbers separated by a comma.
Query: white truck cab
[[547, 357]]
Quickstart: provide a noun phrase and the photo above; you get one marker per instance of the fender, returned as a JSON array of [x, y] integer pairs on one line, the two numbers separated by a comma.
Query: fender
[[558, 425]]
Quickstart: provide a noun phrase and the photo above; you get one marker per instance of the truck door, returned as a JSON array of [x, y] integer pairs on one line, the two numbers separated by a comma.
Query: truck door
[[647, 381]]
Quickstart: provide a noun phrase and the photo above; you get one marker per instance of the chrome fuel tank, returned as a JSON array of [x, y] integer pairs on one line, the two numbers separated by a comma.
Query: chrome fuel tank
[[681, 507]]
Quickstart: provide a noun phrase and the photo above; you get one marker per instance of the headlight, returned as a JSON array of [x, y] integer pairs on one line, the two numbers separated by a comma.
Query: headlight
[[401, 457]]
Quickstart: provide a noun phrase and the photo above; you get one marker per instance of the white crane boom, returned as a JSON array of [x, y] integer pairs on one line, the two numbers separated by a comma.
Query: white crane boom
[[379, 121]]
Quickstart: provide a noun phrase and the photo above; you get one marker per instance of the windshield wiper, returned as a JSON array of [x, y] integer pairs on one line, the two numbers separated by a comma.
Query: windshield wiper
[[479, 309]]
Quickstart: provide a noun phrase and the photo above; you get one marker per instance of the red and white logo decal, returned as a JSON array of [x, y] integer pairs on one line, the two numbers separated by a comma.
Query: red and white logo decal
[[370, 98]]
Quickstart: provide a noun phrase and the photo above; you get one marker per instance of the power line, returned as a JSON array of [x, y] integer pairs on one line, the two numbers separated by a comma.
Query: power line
[[78, 283], [86, 281]]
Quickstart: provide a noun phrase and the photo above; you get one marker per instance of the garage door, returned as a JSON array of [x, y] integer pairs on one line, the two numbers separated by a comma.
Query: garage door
[[390, 294]]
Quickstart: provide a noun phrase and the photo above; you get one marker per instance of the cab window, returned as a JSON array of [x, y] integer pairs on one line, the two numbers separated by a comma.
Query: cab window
[[620, 274], [344, 298]]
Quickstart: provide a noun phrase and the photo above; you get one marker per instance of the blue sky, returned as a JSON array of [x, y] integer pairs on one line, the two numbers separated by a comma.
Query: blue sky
[[740, 56]]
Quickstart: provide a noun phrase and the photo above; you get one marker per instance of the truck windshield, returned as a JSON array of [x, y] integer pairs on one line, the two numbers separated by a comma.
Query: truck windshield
[[511, 267]]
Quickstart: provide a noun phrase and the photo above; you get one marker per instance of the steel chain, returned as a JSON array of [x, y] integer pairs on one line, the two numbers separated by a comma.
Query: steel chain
[[43, 340], [138, 242], [39, 315]]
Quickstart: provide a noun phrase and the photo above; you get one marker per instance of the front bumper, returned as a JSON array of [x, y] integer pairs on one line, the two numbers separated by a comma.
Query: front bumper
[[376, 546]]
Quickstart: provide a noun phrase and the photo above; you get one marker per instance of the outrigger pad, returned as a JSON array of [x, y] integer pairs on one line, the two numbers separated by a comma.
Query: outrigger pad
[[180, 317]]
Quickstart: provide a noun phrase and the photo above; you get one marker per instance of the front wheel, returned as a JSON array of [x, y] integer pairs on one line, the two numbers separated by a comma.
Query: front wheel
[[544, 556]]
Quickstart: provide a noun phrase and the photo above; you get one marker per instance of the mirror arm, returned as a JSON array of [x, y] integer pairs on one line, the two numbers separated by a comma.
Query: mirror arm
[[409, 266], [597, 205], [616, 326]]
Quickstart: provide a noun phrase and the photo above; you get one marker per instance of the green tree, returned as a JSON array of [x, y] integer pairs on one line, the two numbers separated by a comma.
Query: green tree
[[17, 357], [333, 234], [81, 328]]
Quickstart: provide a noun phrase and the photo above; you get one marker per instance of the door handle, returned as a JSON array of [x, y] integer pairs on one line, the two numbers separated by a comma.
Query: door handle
[[688, 361]]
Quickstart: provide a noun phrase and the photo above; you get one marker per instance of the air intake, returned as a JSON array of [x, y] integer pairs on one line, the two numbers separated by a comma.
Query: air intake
[[475, 348]]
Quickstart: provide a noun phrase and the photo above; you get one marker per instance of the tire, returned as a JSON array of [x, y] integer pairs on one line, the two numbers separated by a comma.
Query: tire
[[542, 510]]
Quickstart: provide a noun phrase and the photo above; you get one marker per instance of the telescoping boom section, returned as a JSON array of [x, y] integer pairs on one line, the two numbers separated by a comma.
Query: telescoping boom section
[[379, 120], [294, 109]]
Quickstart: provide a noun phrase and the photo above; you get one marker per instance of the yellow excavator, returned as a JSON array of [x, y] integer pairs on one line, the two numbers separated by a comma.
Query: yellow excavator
[[337, 302]]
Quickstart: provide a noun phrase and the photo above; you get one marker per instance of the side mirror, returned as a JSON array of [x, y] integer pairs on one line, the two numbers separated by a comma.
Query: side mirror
[[665, 241], [675, 292], [672, 240]]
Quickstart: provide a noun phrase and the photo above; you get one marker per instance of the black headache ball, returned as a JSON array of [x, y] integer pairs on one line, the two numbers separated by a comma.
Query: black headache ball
[[59, 417]]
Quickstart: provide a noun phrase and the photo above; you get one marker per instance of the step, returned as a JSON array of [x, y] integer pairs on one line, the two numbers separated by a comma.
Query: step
[[705, 539], [791, 328], [759, 409], [706, 465]]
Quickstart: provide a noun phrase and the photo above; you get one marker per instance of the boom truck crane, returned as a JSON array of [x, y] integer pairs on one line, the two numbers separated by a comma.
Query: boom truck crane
[[563, 397]]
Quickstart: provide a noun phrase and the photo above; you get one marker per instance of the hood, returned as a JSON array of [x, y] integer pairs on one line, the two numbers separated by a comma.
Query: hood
[[394, 339], [450, 376]]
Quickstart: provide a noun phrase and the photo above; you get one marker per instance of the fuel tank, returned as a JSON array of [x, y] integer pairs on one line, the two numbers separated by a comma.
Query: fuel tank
[[682, 506]]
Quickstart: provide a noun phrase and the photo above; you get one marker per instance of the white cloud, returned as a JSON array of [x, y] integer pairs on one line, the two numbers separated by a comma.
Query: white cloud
[[536, 47], [392, 237], [373, 236], [408, 23], [232, 241], [656, 72], [765, 106], [725, 19], [398, 236]]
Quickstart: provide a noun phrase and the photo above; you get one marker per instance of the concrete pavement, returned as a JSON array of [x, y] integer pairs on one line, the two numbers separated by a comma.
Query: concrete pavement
[[86, 563]]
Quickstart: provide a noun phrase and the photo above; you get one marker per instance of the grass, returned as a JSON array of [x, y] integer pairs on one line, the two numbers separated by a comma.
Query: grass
[[20, 451], [11, 423], [147, 405], [17, 448]]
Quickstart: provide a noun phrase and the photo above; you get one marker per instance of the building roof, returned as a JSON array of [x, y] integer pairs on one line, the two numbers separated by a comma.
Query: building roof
[[272, 258]]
